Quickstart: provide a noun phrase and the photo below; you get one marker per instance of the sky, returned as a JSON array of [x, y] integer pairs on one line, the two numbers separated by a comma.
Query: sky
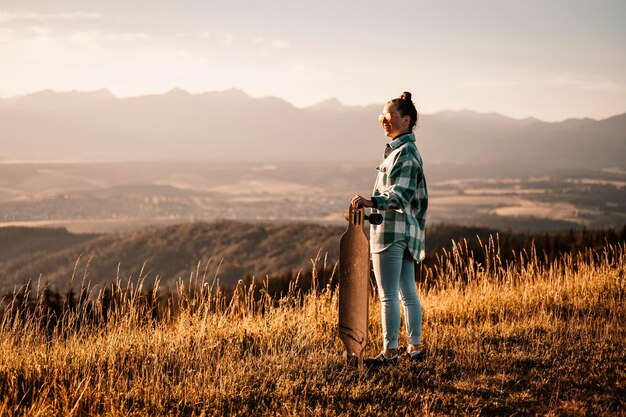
[[552, 60]]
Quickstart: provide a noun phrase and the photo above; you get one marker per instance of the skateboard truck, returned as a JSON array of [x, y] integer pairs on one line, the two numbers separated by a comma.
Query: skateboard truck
[[354, 273], [373, 218]]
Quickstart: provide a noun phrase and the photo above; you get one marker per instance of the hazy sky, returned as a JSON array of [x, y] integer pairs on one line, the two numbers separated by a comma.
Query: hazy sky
[[551, 59]]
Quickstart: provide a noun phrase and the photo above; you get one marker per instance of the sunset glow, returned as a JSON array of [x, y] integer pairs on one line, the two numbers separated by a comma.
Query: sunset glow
[[548, 60]]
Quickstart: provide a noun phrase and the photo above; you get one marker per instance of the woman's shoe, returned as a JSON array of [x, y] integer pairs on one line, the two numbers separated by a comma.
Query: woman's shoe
[[416, 355], [381, 360]]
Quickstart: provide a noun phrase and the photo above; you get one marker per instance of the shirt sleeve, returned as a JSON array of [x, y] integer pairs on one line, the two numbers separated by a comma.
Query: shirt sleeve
[[403, 179]]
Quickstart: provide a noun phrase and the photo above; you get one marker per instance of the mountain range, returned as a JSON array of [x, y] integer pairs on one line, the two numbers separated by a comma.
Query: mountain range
[[230, 125]]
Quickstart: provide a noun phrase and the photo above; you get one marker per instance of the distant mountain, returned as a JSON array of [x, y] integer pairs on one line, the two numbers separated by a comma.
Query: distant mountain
[[331, 104], [573, 143], [495, 124], [48, 100], [230, 125]]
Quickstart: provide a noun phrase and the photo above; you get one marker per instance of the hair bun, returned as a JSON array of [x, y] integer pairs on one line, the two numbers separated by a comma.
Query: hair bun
[[405, 96]]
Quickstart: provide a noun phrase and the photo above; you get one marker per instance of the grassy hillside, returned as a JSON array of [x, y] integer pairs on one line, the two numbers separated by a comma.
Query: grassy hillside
[[229, 250], [517, 338]]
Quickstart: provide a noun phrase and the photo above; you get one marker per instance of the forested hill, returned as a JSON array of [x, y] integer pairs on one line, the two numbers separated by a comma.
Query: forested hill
[[172, 252], [226, 249]]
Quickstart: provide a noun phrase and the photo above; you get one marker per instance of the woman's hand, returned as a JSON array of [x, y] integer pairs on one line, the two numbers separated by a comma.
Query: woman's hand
[[358, 201]]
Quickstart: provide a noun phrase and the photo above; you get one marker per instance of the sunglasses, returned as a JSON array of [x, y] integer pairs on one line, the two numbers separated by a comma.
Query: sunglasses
[[385, 116]]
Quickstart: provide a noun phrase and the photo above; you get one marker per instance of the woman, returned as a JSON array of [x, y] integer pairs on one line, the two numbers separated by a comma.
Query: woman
[[400, 195]]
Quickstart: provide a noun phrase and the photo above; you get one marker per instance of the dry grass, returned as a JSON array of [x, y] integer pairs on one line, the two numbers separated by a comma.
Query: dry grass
[[517, 339]]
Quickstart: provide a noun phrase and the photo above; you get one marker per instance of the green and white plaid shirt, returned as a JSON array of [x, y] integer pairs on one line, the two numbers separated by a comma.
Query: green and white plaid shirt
[[401, 196]]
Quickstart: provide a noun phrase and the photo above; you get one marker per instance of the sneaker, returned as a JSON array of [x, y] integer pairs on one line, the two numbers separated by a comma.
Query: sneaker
[[416, 355], [381, 360]]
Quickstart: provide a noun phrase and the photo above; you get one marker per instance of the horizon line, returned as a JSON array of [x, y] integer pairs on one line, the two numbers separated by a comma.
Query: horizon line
[[240, 90]]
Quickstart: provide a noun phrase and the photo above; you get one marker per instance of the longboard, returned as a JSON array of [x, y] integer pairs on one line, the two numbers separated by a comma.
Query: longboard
[[354, 273]]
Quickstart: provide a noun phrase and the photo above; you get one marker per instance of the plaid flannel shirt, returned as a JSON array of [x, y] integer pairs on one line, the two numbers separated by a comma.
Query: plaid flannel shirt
[[401, 196]]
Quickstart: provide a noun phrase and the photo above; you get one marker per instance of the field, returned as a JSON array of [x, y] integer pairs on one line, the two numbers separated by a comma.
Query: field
[[109, 197], [522, 338]]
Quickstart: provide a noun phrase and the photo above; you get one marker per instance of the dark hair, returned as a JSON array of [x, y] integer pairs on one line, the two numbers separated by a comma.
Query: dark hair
[[405, 107]]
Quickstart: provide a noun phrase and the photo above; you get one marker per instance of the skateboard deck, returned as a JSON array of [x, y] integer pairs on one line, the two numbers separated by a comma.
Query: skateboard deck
[[354, 273]]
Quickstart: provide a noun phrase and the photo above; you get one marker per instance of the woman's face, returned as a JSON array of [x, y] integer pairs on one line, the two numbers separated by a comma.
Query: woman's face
[[392, 122]]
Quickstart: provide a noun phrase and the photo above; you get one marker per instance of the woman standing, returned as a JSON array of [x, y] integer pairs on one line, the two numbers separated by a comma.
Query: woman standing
[[400, 195]]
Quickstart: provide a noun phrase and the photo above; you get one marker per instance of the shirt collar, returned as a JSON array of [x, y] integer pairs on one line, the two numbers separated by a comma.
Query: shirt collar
[[400, 140]]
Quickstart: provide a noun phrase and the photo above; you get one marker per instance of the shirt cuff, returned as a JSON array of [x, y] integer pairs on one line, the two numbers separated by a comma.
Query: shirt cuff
[[378, 202]]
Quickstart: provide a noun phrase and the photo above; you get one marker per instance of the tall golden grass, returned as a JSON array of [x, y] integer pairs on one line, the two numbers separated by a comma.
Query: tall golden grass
[[523, 338]]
